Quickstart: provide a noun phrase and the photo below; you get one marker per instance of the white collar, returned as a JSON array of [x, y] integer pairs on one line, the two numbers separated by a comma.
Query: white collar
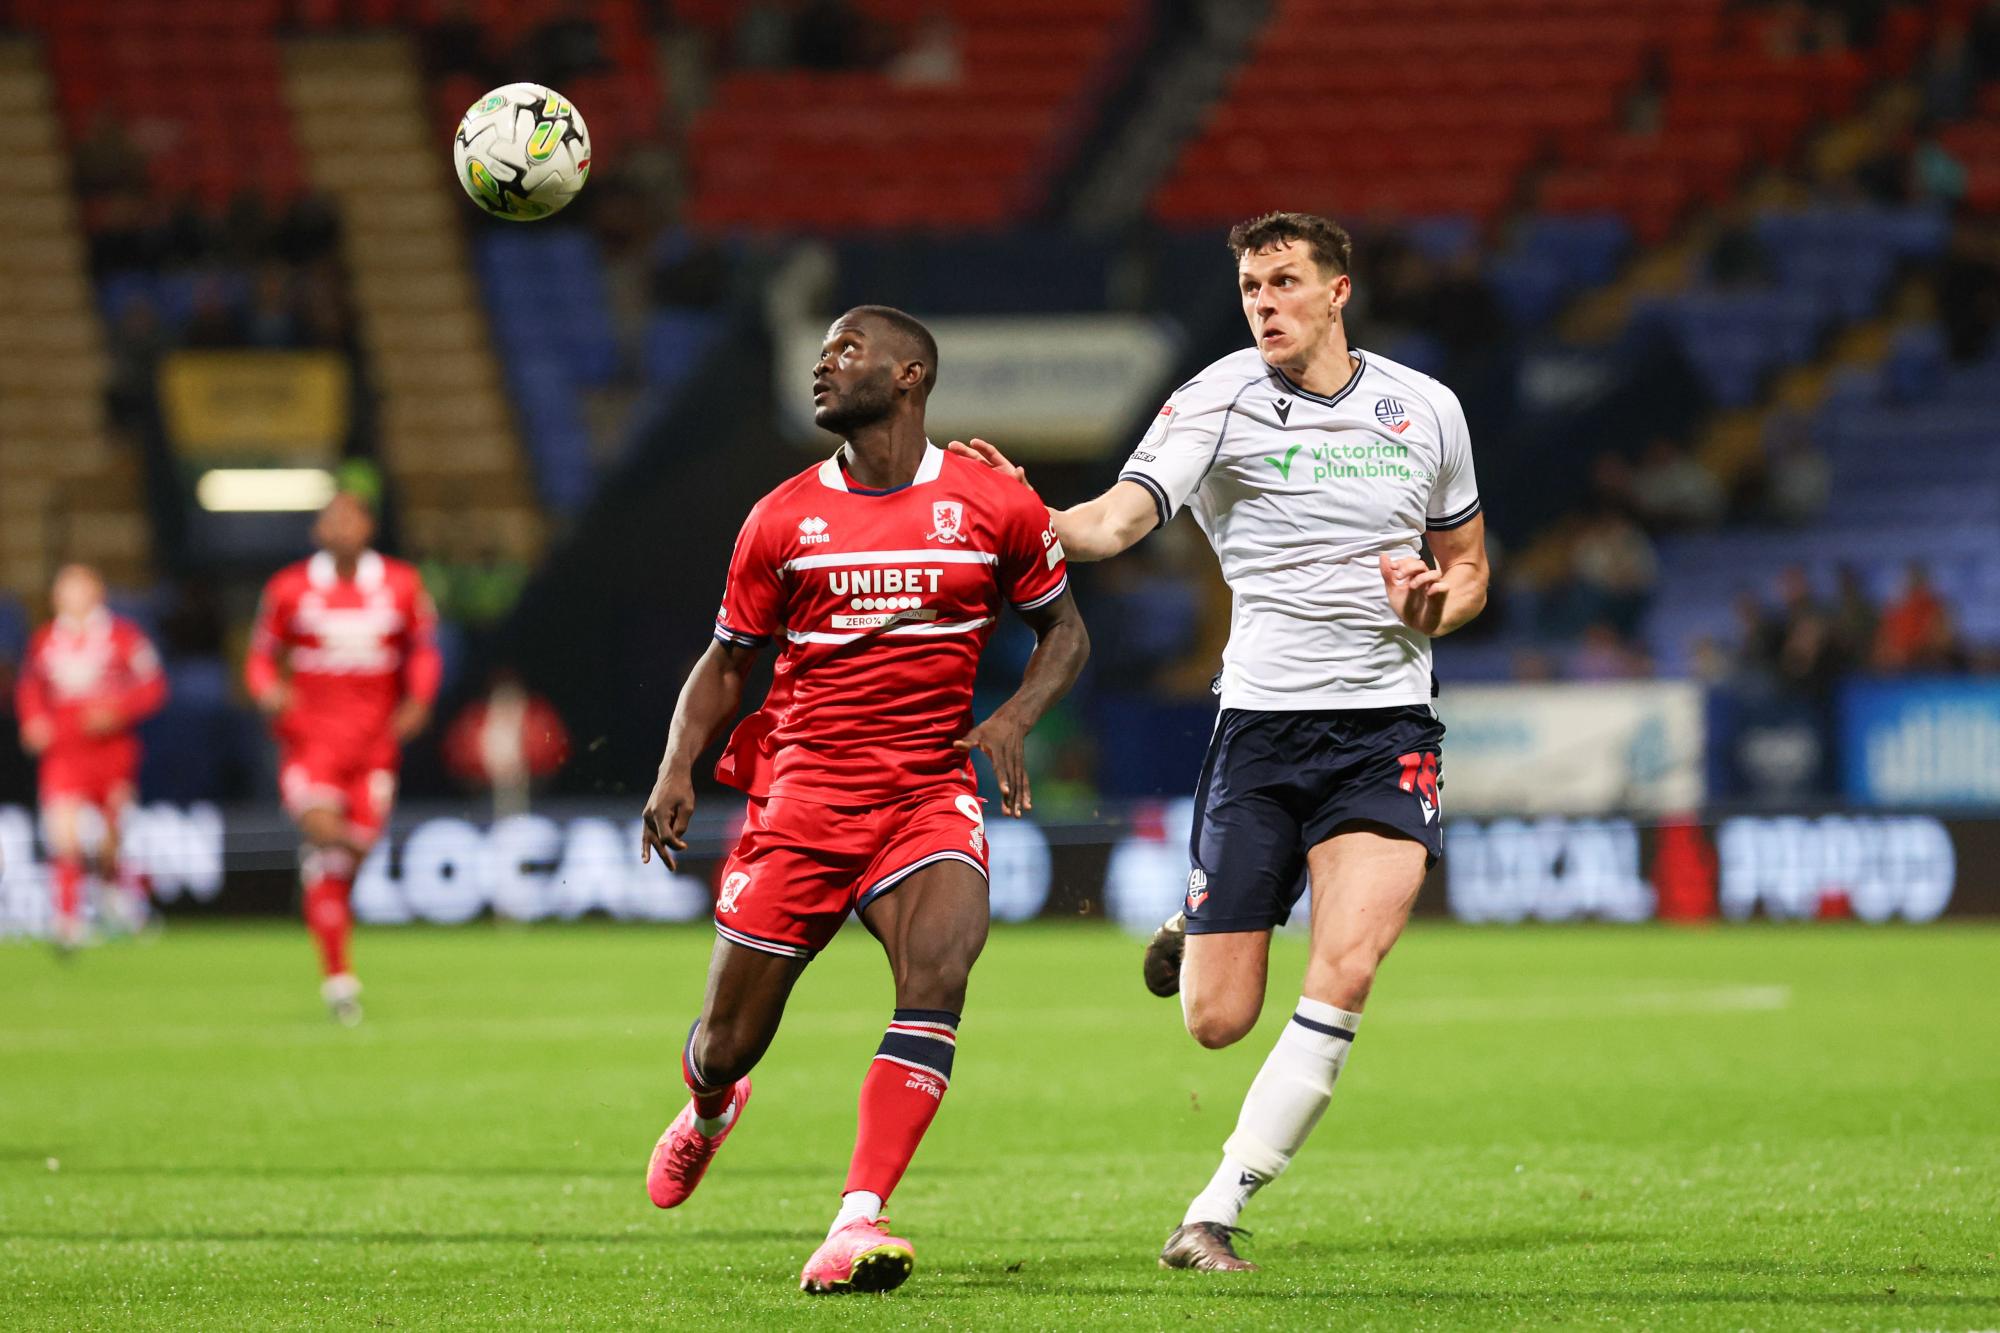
[[928, 469], [368, 571]]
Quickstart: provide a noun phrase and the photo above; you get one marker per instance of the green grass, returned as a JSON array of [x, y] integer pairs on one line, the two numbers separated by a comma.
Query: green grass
[[1737, 1128]]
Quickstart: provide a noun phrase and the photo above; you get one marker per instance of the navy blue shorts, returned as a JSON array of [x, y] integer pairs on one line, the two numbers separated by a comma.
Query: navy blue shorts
[[1276, 784]]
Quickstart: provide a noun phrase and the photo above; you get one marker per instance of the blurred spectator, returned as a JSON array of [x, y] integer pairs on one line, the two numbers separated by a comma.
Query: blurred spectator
[[1672, 492], [1809, 656], [136, 343], [1854, 618], [1759, 638], [272, 320], [1935, 175], [1967, 287], [763, 35], [567, 46], [474, 583], [829, 35], [932, 56], [214, 322], [691, 272], [1603, 653], [456, 45], [105, 159], [1460, 310], [1709, 662], [1797, 480], [1737, 257], [1616, 568], [505, 741], [1946, 76], [1916, 632], [1983, 42]]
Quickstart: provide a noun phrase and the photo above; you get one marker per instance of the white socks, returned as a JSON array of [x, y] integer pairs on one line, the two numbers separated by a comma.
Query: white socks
[[859, 1203], [709, 1126], [1285, 1101]]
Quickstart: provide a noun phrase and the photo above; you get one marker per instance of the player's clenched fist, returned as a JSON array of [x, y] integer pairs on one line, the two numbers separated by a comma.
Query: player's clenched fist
[[1003, 740], [665, 819], [1416, 594]]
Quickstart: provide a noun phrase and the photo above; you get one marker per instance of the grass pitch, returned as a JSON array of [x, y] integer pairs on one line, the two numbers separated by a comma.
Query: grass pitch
[[1737, 1128]]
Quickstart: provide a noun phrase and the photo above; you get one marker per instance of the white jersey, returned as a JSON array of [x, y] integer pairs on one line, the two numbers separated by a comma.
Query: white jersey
[[1299, 495]]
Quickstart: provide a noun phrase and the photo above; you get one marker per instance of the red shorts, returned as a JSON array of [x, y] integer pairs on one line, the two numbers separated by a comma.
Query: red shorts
[[801, 867], [104, 774], [358, 781]]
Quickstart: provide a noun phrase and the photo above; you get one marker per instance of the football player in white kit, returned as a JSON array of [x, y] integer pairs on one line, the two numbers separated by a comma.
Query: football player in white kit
[[1319, 473]]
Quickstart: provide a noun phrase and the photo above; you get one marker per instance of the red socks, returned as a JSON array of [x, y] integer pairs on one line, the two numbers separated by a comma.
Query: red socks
[[900, 1095], [329, 876], [68, 888]]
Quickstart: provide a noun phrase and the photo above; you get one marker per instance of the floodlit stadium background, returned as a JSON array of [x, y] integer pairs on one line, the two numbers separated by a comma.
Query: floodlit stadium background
[[1717, 283]]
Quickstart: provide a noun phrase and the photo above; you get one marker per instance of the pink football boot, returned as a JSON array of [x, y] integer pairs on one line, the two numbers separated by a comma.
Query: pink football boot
[[861, 1256], [682, 1155]]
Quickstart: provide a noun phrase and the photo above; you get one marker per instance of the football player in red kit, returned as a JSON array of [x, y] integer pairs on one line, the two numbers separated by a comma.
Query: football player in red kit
[[880, 572], [89, 679], [344, 663]]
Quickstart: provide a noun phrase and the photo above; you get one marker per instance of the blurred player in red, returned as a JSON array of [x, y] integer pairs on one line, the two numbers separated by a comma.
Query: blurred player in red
[[90, 678], [881, 571], [344, 663]]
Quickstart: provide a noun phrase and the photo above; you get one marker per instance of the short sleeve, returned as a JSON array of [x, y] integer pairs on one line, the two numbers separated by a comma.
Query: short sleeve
[[1455, 492], [142, 660], [1180, 447], [1033, 571], [753, 598]]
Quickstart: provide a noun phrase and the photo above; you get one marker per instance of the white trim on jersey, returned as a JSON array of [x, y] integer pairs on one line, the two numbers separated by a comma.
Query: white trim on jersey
[[1046, 597], [889, 881], [762, 946], [841, 559], [943, 627], [929, 468], [369, 570]]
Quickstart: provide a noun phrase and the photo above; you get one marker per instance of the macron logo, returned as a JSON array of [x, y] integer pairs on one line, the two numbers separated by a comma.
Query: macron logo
[[812, 532]]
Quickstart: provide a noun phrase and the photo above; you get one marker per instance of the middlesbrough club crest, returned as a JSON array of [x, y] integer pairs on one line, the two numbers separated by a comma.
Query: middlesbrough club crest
[[947, 517]]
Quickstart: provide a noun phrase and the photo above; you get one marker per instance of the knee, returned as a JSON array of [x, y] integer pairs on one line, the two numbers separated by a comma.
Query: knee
[[936, 978], [1217, 1026], [935, 983], [725, 1053]]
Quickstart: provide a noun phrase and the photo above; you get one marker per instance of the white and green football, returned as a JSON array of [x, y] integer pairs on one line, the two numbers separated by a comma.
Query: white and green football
[[522, 152]]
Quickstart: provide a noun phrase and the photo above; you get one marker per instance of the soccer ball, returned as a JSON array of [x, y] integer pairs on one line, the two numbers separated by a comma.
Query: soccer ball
[[522, 152]]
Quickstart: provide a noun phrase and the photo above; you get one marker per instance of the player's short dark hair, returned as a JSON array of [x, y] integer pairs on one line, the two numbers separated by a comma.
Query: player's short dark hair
[[1332, 248], [913, 332]]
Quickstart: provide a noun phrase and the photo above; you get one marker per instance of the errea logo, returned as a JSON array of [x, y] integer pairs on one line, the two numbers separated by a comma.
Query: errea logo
[[812, 531]]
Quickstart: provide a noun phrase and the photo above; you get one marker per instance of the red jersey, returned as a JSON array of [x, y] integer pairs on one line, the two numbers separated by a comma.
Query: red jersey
[[72, 670], [356, 647], [884, 600]]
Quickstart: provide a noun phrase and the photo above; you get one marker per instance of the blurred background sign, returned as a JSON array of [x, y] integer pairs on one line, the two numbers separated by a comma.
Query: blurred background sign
[[1574, 749], [1922, 742], [1060, 386], [256, 406]]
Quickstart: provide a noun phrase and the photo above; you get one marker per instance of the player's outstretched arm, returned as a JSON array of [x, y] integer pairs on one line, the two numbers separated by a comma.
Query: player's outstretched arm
[[1437, 601], [1062, 645], [1094, 530], [708, 703]]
